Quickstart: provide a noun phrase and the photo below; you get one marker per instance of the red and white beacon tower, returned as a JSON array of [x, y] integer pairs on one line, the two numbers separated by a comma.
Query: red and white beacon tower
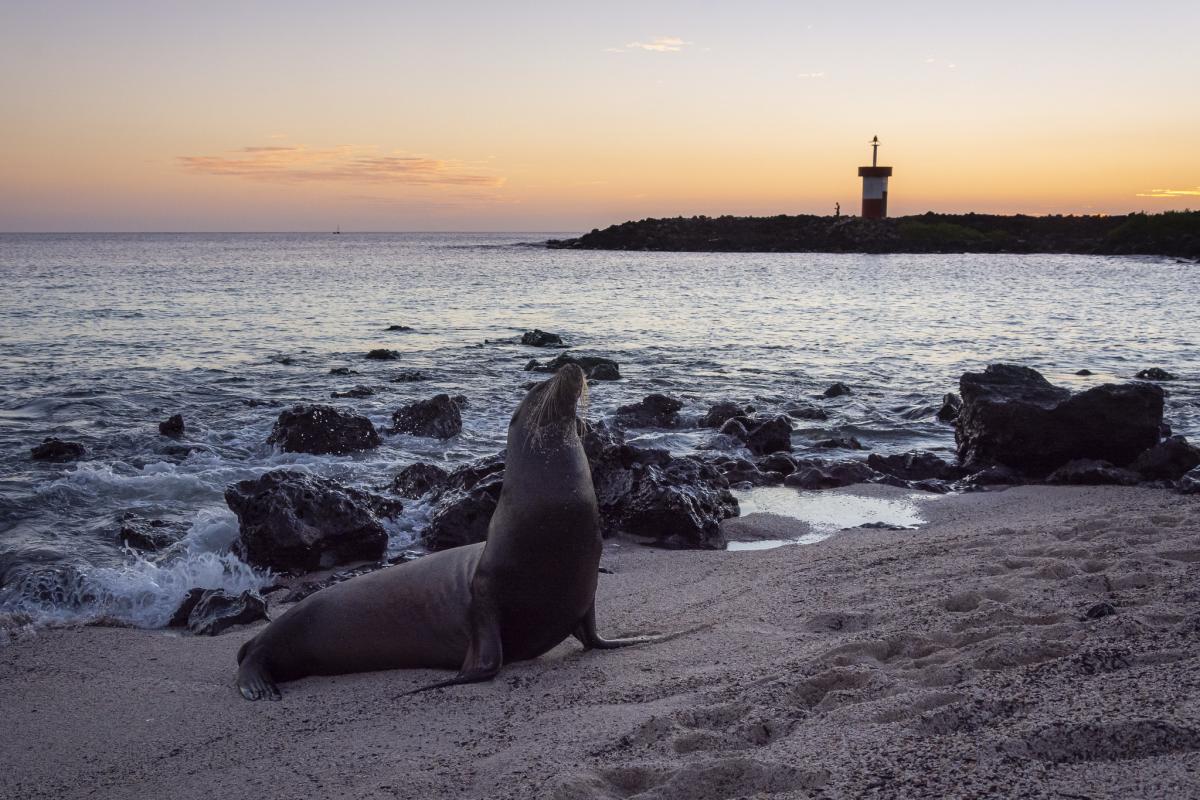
[[875, 185]]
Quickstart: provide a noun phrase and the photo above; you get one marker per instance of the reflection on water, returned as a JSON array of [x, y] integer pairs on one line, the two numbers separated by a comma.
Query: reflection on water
[[830, 511]]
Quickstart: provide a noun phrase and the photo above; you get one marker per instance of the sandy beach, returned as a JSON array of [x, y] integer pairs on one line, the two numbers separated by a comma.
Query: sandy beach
[[958, 660]]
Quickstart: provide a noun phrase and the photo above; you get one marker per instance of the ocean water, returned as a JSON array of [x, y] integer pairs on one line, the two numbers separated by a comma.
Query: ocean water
[[103, 336]]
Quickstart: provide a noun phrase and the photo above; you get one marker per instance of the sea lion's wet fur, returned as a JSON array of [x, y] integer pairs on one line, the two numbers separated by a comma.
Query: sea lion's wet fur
[[476, 607]]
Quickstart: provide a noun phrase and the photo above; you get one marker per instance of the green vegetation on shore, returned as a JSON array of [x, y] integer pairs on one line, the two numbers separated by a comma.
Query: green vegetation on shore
[[1173, 233]]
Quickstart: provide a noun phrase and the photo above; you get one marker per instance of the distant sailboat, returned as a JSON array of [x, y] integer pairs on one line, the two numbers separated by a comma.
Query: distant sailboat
[[338, 232]]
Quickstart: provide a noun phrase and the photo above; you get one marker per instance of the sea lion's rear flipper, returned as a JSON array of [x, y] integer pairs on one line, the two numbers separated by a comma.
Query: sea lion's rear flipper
[[586, 633], [485, 650], [253, 679]]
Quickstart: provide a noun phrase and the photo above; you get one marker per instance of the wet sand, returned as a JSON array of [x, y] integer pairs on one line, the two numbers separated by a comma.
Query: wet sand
[[956, 660]]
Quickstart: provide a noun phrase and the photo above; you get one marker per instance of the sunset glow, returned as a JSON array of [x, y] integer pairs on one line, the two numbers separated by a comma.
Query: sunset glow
[[383, 116]]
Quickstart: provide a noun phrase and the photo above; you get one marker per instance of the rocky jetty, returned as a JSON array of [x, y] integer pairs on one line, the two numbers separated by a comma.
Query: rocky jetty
[[321, 430], [292, 521], [1174, 233]]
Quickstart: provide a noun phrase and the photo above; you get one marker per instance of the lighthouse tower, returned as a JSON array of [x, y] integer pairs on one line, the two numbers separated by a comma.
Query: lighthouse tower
[[875, 185]]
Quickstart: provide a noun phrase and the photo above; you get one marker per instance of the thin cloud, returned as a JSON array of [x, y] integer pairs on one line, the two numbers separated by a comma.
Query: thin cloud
[[659, 44], [811, 75], [1169, 193], [344, 164]]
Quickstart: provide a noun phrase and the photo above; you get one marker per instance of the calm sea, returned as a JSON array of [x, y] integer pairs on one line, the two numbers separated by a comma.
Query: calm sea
[[103, 336]]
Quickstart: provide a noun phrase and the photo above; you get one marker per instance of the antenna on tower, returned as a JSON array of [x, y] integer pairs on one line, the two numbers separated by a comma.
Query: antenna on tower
[[875, 152]]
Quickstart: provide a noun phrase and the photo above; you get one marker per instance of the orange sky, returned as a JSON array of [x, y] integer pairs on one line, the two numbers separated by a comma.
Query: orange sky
[[385, 116]]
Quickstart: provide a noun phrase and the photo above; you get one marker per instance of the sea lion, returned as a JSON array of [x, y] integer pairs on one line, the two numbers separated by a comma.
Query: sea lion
[[476, 607]]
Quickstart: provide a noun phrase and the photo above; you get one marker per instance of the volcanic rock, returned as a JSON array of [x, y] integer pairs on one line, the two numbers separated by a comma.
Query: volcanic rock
[[1013, 416], [216, 611], [653, 411], [1155, 374], [321, 429], [172, 427], [770, 436], [540, 338], [418, 479], [951, 405], [1168, 460], [383, 354], [52, 449], [838, 389], [595, 368], [438, 417], [918, 465], [720, 413], [1089, 472], [296, 522], [357, 391]]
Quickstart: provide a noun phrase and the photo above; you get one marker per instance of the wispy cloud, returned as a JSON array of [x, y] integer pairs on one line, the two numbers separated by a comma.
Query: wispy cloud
[[811, 75], [1169, 193], [659, 44], [345, 164]]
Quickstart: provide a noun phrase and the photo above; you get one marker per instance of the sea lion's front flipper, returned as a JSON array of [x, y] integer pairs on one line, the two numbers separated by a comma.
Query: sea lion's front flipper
[[586, 633], [485, 650]]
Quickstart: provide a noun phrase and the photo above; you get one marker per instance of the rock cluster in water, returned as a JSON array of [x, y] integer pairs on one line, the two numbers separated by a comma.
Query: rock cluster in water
[[596, 368]]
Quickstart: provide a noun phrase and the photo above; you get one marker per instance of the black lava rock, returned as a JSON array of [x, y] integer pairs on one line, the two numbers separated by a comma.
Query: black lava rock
[[383, 354], [1089, 472], [951, 405], [838, 389], [720, 413], [807, 411], [321, 430], [463, 515], [52, 449], [540, 338], [418, 479], [217, 611], [399, 328], [409, 376], [357, 391], [918, 465], [1155, 374], [437, 417], [172, 427], [819, 474], [1168, 460], [653, 411], [295, 522], [596, 368], [840, 443], [1013, 416], [771, 436], [145, 534]]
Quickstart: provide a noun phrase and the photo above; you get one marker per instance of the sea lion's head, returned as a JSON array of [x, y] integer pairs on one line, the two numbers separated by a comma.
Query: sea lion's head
[[548, 412]]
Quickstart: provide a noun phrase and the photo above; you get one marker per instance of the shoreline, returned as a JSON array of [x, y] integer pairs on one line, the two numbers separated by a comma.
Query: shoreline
[[954, 660]]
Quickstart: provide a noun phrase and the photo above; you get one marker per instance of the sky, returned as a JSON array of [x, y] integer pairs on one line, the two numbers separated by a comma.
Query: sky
[[118, 115]]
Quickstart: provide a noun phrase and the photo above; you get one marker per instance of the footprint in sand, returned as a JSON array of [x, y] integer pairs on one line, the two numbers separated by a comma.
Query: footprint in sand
[[717, 779]]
